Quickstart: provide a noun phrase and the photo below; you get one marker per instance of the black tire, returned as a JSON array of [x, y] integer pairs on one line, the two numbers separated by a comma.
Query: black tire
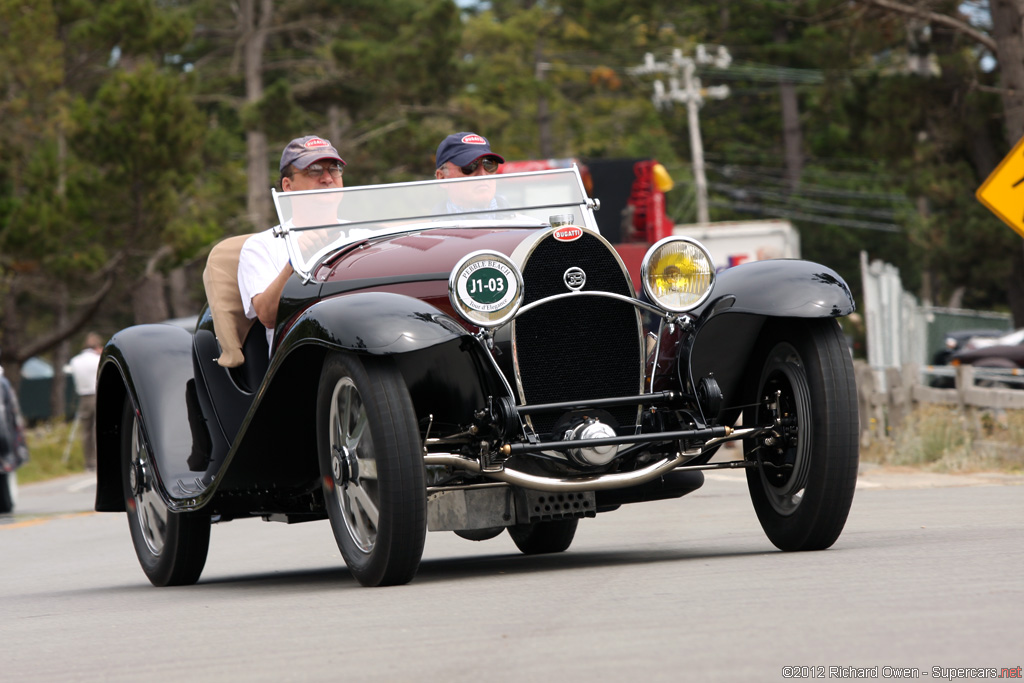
[[8, 491], [371, 465], [803, 487], [539, 538], [480, 534], [171, 546]]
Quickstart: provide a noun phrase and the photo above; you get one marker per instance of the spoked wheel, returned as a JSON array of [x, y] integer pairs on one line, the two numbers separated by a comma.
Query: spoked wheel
[[803, 485], [171, 546], [8, 491], [539, 538], [372, 468]]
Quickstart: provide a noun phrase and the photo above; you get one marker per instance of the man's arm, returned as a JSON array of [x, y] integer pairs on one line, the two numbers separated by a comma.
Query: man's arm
[[265, 303]]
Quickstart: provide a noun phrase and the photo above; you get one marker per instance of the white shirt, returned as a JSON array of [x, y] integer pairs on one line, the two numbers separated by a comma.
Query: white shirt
[[261, 260], [82, 369]]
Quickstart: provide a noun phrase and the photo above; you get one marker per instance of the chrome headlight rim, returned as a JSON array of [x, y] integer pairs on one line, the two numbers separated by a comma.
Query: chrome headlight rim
[[484, 314], [650, 258]]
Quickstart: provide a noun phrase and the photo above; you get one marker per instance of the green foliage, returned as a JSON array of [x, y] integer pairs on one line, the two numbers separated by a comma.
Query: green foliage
[[144, 132]]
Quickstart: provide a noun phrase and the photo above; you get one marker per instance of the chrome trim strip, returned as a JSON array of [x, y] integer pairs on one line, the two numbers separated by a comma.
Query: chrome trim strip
[[594, 292]]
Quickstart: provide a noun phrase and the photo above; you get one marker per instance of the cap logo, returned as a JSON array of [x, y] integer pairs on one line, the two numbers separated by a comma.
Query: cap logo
[[474, 139], [316, 143]]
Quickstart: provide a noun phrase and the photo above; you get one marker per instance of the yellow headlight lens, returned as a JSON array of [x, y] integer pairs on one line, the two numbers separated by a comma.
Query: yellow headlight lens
[[678, 274]]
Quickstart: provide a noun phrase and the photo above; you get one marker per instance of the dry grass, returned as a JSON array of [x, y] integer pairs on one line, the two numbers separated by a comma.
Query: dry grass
[[53, 452], [948, 439]]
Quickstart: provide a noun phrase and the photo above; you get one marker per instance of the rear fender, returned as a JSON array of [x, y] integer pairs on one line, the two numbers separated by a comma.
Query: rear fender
[[150, 365]]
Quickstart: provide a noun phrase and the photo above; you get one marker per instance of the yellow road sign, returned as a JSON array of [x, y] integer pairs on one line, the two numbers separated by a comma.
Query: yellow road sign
[[1003, 191]]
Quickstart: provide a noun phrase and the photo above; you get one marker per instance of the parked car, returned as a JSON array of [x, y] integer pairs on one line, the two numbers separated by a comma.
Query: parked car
[[1005, 352], [955, 341], [475, 372], [1004, 338], [13, 447]]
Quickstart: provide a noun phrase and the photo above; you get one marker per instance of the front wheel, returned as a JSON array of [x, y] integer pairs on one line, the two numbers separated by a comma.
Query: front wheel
[[372, 468], [171, 546], [803, 485]]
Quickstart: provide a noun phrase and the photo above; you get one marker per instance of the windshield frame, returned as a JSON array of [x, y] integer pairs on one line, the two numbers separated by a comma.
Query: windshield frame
[[368, 212]]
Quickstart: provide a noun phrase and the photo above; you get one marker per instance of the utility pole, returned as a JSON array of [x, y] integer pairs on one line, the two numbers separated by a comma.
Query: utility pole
[[692, 95]]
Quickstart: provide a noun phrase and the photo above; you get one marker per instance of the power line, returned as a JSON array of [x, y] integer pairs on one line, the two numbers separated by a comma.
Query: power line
[[745, 207], [811, 190], [692, 95], [796, 200]]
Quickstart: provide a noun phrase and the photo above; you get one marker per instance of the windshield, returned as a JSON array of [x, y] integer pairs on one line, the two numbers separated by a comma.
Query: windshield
[[316, 223]]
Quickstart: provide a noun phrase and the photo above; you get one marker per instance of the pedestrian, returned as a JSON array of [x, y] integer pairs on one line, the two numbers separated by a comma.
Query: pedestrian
[[82, 369]]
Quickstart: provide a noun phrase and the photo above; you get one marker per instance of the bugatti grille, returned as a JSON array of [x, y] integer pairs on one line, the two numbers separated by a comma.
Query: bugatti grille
[[577, 348]]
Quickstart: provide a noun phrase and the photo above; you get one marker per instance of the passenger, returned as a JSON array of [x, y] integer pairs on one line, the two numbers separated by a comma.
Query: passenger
[[307, 163], [461, 155]]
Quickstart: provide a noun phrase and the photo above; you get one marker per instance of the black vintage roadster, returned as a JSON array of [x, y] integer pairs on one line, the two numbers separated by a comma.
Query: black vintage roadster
[[470, 355]]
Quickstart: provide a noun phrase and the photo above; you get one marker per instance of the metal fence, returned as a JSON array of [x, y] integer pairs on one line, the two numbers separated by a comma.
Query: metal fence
[[900, 331]]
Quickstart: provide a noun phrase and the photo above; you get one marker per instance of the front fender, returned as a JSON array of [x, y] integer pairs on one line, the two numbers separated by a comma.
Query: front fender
[[371, 322], [151, 366], [728, 325], [282, 419], [786, 288]]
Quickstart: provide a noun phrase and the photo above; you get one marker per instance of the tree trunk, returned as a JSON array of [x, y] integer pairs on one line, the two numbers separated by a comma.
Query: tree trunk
[[547, 147], [149, 304], [178, 294], [1006, 30], [58, 405], [254, 38]]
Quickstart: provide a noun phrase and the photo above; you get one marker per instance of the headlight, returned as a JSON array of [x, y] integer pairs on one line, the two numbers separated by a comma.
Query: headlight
[[678, 274], [486, 288]]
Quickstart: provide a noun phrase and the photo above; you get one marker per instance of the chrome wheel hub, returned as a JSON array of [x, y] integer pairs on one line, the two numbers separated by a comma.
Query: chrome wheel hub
[[354, 465], [149, 507]]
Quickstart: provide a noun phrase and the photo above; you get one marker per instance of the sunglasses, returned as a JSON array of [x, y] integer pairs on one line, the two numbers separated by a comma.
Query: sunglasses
[[490, 166], [314, 171]]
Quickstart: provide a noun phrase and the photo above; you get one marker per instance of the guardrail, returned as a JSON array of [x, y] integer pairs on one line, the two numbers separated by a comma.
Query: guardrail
[[887, 395]]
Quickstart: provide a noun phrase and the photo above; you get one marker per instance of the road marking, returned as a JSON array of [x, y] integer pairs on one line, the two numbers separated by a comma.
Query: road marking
[[35, 521]]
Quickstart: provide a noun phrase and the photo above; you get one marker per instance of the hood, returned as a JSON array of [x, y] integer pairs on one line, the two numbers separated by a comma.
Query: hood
[[428, 253]]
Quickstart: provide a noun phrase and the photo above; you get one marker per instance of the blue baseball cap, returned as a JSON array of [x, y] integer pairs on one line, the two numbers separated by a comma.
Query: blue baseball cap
[[463, 148]]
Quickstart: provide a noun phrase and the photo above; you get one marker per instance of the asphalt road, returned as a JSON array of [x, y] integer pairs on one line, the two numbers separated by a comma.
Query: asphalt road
[[929, 574]]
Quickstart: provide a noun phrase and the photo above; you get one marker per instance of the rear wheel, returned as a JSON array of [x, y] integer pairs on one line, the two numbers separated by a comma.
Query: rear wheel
[[803, 486], [539, 538], [171, 546], [372, 468], [8, 491]]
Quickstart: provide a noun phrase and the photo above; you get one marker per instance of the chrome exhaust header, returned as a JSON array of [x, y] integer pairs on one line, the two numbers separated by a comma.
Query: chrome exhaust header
[[594, 482]]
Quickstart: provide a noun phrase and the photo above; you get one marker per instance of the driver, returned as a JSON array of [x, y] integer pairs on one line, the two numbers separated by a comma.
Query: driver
[[307, 163], [462, 155]]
